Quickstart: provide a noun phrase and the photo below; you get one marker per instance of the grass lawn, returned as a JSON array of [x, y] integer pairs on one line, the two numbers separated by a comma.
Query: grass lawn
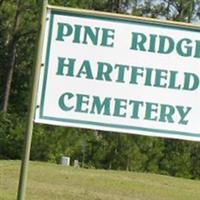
[[53, 182]]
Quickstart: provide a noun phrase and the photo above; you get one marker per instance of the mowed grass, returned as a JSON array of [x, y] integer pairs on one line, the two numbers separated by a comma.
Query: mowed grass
[[54, 182]]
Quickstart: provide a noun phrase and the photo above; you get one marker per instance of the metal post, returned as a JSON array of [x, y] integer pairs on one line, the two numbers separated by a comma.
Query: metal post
[[29, 128]]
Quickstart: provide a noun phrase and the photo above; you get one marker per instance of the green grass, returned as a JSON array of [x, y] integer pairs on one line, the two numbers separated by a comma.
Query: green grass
[[53, 182]]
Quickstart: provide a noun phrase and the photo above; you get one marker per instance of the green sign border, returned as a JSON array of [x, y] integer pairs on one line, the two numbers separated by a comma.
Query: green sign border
[[113, 18]]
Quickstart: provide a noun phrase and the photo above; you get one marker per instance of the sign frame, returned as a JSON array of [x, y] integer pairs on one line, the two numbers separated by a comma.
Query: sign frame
[[107, 126]]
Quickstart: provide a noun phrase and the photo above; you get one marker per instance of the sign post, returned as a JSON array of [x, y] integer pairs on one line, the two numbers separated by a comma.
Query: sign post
[[29, 129]]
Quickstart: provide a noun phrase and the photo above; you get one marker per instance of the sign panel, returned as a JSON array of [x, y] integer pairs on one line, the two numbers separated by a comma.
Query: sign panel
[[120, 73]]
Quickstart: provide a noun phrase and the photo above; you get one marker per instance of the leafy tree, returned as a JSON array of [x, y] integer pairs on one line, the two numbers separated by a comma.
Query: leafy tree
[[11, 136], [16, 27], [195, 160], [177, 158], [178, 10]]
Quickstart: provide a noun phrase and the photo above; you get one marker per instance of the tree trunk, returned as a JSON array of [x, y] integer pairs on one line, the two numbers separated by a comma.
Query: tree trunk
[[1, 2], [12, 57], [192, 5], [127, 164]]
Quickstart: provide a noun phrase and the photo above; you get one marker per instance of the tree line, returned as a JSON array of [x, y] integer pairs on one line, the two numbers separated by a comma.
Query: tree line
[[19, 25]]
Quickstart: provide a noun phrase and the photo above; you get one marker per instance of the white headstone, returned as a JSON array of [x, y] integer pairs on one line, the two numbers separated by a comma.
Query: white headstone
[[65, 161], [76, 163]]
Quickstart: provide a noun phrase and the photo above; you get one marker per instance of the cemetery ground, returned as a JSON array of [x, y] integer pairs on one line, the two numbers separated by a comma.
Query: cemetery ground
[[48, 181]]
